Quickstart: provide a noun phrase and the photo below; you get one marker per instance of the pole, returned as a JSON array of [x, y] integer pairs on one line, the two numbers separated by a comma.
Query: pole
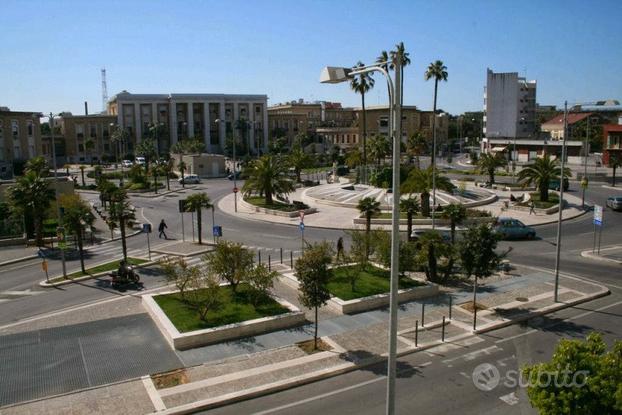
[[192, 222], [561, 203], [443, 331], [594, 244], [62, 250], [600, 234], [235, 183], [302, 237], [281, 255], [450, 301], [475, 302], [183, 229], [585, 154], [148, 246], [395, 234], [416, 332], [213, 224]]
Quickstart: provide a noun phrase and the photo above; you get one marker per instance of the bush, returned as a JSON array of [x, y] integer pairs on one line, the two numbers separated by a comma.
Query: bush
[[475, 213]]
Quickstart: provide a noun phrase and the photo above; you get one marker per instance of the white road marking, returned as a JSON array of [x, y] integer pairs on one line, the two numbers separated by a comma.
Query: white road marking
[[510, 398], [474, 354]]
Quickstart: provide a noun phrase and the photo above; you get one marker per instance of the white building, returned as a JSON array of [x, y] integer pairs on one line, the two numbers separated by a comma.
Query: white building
[[212, 117]]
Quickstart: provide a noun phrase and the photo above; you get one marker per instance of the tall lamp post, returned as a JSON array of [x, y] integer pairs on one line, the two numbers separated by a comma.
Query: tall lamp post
[[235, 183], [561, 204], [337, 75], [59, 211]]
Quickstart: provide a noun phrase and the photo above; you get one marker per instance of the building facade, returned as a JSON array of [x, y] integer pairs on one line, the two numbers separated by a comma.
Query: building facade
[[214, 118], [612, 141], [20, 138], [85, 138]]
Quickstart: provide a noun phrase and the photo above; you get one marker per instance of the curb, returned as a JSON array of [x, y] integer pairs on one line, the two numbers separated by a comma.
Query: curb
[[46, 284], [16, 260], [590, 255]]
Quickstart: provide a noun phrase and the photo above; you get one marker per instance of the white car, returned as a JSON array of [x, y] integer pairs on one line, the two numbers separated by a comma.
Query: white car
[[127, 163], [190, 179], [140, 161]]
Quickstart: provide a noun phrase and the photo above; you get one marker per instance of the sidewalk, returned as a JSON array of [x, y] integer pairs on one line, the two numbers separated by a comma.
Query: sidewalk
[[16, 253], [609, 254], [222, 373]]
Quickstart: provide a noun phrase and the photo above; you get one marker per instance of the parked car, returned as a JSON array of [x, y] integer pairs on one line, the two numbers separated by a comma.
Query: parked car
[[445, 233], [127, 163], [509, 228], [140, 161], [615, 202], [554, 184], [190, 179]]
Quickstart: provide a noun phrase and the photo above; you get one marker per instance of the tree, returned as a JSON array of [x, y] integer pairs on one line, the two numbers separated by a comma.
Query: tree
[[488, 163], [196, 202], [411, 206], [119, 137], [581, 378], [438, 71], [268, 177], [420, 181], [615, 161], [456, 213], [204, 293], [31, 197], [231, 262], [167, 170], [477, 254], [299, 160], [379, 148], [39, 166], [383, 251], [369, 207], [416, 146], [261, 280], [541, 172], [89, 145], [147, 149], [82, 167], [121, 213], [399, 55], [76, 218], [430, 248], [312, 273], [354, 158], [362, 84], [177, 271]]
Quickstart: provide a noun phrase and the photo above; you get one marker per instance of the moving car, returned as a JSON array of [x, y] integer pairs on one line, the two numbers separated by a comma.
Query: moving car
[[127, 163], [190, 179], [140, 161], [615, 202], [509, 228], [445, 233]]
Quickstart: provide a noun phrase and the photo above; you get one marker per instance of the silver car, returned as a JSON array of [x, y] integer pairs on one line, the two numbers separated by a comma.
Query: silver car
[[615, 202]]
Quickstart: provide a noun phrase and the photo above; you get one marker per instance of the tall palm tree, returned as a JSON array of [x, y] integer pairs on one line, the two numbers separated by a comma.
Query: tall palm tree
[[39, 166], [386, 64], [268, 177], [421, 181], [361, 84], [76, 218], [400, 54], [119, 137], [438, 71], [411, 206], [379, 147], [298, 159], [121, 213], [369, 207], [615, 161], [488, 163], [456, 213], [196, 202], [31, 197], [542, 172], [416, 146]]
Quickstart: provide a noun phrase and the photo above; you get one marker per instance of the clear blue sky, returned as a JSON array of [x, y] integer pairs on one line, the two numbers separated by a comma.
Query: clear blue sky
[[52, 51]]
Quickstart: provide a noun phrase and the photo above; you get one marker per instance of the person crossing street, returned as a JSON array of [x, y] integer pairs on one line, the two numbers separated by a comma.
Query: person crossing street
[[161, 229]]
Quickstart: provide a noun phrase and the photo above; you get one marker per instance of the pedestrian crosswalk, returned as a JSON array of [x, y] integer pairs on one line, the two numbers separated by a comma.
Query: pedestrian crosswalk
[[112, 248]]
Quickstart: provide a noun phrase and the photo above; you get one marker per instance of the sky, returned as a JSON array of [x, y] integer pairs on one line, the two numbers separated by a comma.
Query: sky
[[52, 51]]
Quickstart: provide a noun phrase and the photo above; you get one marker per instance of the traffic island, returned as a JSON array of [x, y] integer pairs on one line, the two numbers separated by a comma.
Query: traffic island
[[276, 208], [97, 271], [239, 316]]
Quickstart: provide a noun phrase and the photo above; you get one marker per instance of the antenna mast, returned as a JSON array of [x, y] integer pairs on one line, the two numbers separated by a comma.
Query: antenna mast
[[104, 91]]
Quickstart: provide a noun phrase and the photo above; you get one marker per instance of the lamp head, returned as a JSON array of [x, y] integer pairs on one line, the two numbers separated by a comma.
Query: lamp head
[[335, 75]]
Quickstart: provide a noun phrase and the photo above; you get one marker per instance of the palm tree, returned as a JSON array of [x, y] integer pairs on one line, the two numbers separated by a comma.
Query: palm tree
[[76, 218], [361, 84], [615, 161], [379, 148], [411, 206], [196, 202], [268, 177], [438, 71], [400, 53], [298, 159], [420, 181], [416, 146], [82, 167], [542, 172], [39, 166], [119, 136], [488, 163], [147, 149], [369, 207], [456, 213], [120, 212], [167, 169], [384, 61], [31, 197], [89, 145]]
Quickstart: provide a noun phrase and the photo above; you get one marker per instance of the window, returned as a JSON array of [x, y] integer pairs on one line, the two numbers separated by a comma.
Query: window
[[80, 147], [17, 153], [29, 128], [93, 131], [31, 151], [14, 128]]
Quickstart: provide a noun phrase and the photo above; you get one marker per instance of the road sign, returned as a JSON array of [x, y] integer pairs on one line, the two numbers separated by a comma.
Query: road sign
[[598, 215], [217, 231], [235, 190], [182, 205], [146, 227], [302, 226]]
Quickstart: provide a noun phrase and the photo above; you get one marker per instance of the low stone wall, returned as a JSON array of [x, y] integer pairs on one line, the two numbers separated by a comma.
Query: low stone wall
[[420, 222], [381, 300], [197, 338], [293, 214]]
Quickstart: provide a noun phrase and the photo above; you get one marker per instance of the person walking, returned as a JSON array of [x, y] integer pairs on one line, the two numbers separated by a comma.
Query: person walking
[[532, 208], [340, 252], [161, 229]]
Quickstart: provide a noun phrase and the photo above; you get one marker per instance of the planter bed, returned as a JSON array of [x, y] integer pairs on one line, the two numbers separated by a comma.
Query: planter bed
[[183, 329], [280, 209]]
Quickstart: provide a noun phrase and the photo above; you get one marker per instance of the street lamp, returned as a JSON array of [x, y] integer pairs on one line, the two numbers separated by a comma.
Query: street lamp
[[332, 75], [59, 211], [235, 185]]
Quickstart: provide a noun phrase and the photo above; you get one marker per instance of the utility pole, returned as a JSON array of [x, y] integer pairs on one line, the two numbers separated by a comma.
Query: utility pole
[[58, 209], [561, 202], [585, 154]]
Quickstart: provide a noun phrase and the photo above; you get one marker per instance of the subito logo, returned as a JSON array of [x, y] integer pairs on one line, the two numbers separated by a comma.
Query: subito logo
[[486, 377]]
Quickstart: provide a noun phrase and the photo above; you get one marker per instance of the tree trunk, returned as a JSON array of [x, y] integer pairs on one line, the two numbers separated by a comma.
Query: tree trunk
[[155, 182], [491, 176], [168, 184], [613, 181], [315, 333], [544, 193], [38, 231], [199, 223], [425, 204], [367, 230], [453, 232], [122, 227], [269, 198], [80, 250], [364, 139], [432, 263], [410, 225], [83, 182]]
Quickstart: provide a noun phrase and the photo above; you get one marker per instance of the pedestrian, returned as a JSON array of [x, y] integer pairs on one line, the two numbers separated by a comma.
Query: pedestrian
[[340, 248], [161, 229], [532, 208]]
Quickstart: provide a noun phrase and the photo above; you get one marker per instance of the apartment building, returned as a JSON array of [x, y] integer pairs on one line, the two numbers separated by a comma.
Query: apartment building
[[212, 117], [85, 138], [20, 138]]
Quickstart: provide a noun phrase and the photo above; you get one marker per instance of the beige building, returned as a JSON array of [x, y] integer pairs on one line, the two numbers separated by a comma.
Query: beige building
[[203, 165], [211, 117], [85, 138], [20, 138]]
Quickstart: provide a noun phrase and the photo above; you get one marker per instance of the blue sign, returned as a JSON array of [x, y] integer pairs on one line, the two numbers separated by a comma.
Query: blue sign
[[302, 226], [598, 222], [146, 227], [217, 231]]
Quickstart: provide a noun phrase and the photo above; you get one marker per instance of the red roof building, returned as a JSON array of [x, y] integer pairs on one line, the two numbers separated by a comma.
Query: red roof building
[[612, 141]]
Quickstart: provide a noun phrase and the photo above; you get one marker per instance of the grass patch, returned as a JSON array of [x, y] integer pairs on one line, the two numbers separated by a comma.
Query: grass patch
[[108, 266], [236, 308], [261, 202], [371, 281], [469, 306], [553, 200], [170, 379]]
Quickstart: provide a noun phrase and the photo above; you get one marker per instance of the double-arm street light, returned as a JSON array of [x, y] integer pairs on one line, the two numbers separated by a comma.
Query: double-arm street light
[[60, 230], [333, 75], [235, 184]]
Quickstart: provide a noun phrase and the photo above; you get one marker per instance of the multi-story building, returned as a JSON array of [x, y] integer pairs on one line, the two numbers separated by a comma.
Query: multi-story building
[[20, 138], [85, 138], [211, 117], [612, 141]]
